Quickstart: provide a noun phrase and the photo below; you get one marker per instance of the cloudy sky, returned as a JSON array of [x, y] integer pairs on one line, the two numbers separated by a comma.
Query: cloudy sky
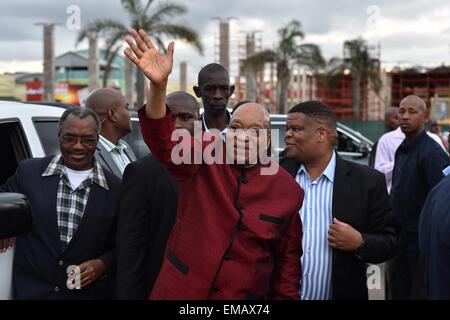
[[411, 32]]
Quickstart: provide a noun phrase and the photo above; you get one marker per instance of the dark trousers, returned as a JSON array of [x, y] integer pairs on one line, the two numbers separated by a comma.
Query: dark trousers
[[406, 278]]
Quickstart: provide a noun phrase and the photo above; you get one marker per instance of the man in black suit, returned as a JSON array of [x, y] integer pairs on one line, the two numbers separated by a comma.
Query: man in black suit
[[69, 253], [148, 211], [346, 213]]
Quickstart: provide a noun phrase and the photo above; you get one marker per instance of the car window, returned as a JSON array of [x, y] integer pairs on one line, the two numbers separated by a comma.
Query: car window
[[47, 131], [14, 148], [278, 145], [346, 143]]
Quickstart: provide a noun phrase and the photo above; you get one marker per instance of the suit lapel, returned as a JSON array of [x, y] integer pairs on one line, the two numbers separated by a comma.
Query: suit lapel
[[290, 166], [341, 192], [50, 186], [129, 152], [97, 197], [108, 161]]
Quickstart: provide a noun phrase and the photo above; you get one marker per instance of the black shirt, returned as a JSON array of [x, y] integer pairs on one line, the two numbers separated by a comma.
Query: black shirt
[[418, 168]]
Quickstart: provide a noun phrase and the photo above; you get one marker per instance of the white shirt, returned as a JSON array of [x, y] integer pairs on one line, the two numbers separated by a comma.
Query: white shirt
[[223, 132], [385, 154], [76, 177]]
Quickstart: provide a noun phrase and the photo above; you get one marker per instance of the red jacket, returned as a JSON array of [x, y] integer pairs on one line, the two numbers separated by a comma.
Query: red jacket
[[237, 233]]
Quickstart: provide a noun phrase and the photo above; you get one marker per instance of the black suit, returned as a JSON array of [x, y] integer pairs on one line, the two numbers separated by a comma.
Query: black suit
[[40, 263], [360, 199], [147, 213]]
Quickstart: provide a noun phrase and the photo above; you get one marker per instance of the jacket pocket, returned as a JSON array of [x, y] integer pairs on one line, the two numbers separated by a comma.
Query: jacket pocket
[[272, 219]]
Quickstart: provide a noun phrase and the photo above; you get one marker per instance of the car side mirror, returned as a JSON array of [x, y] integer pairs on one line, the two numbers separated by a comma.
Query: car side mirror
[[364, 148], [15, 215]]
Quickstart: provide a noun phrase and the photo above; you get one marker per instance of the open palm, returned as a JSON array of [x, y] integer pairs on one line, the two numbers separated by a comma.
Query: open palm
[[144, 55]]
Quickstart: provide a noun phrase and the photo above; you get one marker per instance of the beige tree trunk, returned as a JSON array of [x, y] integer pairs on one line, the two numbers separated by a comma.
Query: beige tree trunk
[[49, 63], [183, 76], [93, 67], [129, 77]]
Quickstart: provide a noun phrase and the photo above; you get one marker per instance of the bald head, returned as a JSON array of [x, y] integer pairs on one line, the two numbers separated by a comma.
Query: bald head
[[391, 118], [103, 99], [416, 101], [181, 98], [252, 113], [112, 109], [413, 115]]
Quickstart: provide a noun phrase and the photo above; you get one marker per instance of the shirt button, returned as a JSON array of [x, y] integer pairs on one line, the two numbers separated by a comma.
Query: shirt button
[[60, 263], [56, 289]]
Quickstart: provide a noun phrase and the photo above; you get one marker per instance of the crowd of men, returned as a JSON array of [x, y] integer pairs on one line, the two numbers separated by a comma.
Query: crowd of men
[[232, 225]]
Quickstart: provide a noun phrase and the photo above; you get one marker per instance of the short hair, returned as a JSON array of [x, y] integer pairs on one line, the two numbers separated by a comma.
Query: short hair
[[81, 113], [211, 68], [316, 110]]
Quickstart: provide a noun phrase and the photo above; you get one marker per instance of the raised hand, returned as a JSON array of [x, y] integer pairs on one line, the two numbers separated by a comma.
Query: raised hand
[[146, 57]]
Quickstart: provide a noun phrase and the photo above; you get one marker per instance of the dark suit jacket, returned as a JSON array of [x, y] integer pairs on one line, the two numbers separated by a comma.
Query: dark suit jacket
[[40, 265], [147, 213], [107, 162], [360, 199]]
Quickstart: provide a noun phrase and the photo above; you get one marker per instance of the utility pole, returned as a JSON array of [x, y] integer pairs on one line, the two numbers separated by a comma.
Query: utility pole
[[224, 41], [93, 67], [129, 84], [49, 61], [183, 76]]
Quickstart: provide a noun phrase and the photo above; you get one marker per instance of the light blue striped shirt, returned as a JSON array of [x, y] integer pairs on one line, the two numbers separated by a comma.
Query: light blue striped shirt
[[316, 214]]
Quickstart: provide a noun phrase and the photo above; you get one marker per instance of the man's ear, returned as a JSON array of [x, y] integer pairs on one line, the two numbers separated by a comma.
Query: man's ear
[[427, 115], [322, 134], [197, 91], [112, 115]]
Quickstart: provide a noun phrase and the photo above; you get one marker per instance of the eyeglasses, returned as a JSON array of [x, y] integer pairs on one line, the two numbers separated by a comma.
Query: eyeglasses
[[84, 140]]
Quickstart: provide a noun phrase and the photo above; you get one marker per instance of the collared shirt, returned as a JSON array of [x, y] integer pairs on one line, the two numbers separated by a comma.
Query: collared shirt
[[223, 132], [446, 171], [418, 168], [71, 203], [385, 156], [316, 215], [117, 153]]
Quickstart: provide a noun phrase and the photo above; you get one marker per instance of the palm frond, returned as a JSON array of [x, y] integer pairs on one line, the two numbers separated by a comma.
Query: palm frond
[[260, 58], [179, 32], [309, 55], [166, 10], [134, 7], [100, 27]]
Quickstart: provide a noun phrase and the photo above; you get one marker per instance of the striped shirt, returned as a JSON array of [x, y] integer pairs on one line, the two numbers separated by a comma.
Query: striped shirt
[[117, 153], [316, 215]]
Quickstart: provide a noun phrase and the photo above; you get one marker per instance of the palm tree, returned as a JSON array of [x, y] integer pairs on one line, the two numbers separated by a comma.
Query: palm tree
[[363, 69], [155, 22], [288, 53]]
